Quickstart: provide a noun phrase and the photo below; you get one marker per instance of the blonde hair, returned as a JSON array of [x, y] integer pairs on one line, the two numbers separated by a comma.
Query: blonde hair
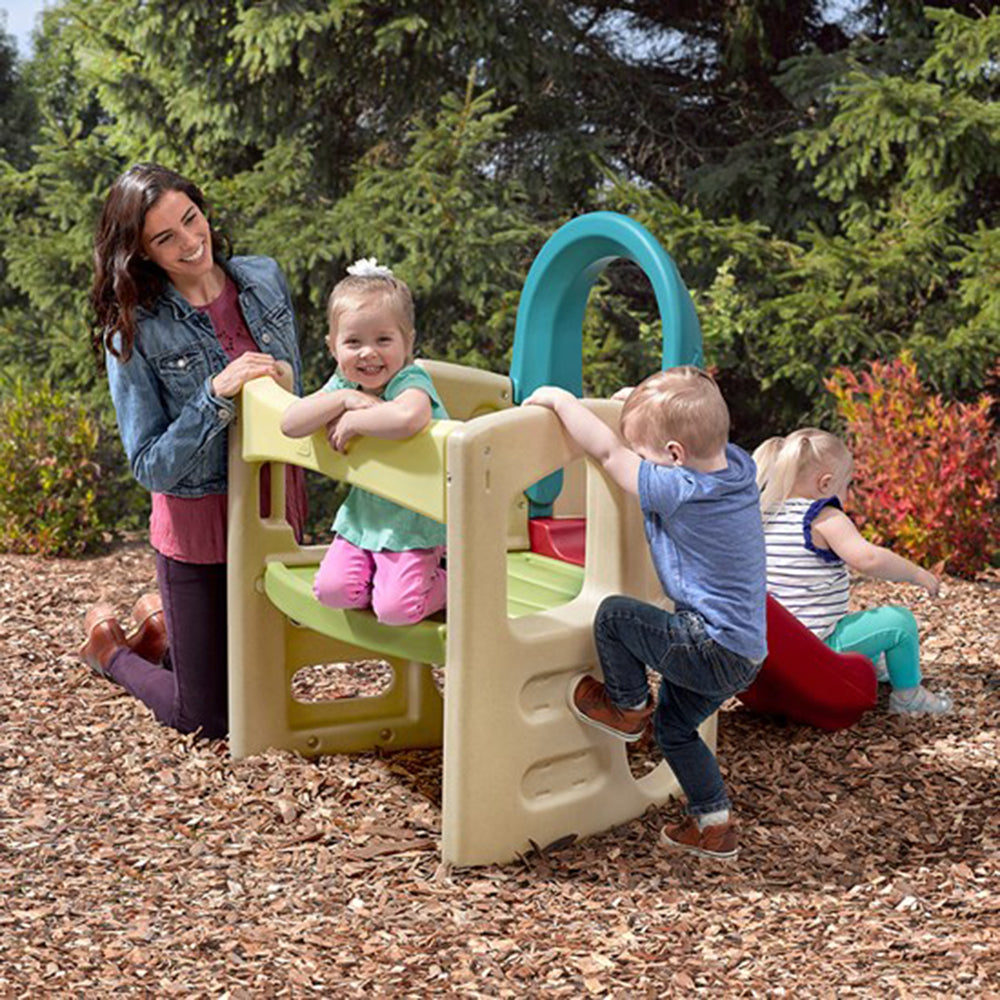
[[781, 461], [682, 404], [764, 456], [358, 291]]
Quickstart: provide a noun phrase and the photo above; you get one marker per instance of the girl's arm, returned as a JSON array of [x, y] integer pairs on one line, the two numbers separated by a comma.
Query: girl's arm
[[392, 420], [309, 414], [835, 530], [592, 435]]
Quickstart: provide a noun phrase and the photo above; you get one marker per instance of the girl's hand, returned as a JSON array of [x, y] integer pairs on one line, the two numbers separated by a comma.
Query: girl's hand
[[244, 369], [354, 399], [929, 582], [343, 430]]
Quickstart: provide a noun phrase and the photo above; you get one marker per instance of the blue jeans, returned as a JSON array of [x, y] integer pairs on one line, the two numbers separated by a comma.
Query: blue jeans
[[698, 676]]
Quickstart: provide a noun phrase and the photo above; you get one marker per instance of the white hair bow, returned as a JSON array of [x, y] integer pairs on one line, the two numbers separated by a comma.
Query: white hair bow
[[369, 267]]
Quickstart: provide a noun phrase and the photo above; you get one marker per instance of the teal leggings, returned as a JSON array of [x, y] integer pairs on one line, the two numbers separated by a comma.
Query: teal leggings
[[891, 630]]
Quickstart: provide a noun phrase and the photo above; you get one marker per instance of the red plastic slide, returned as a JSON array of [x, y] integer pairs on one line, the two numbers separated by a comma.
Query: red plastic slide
[[804, 680]]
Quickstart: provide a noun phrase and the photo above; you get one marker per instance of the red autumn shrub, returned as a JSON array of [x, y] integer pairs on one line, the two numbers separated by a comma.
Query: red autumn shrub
[[926, 472]]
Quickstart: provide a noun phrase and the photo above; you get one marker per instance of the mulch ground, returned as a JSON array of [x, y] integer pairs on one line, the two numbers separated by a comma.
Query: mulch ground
[[134, 861]]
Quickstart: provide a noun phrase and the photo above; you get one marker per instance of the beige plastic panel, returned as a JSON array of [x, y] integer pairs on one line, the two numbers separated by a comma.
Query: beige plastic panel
[[468, 392], [571, 501], [517, 767]]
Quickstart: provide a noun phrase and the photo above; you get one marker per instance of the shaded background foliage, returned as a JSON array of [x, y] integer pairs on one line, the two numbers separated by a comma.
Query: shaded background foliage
[[824, 174]]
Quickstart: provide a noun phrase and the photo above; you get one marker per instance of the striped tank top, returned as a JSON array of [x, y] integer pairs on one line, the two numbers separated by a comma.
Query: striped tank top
[[812, 583]]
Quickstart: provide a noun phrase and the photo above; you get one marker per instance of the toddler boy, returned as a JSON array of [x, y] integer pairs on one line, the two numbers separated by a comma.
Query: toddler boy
[[700, 505]]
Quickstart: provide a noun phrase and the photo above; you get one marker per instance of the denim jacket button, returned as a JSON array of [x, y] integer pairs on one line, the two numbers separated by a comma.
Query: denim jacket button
[[223, 414], [265, 338], [182, 362]]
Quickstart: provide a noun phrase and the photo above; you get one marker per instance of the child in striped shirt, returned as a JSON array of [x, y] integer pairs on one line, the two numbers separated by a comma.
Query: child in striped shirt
[[811, 543]]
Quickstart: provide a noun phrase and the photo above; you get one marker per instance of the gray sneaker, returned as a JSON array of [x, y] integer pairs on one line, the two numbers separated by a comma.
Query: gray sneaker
[[920, 702]]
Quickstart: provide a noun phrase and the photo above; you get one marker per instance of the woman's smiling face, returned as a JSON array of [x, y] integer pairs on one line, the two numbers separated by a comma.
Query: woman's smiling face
[[177, 237]]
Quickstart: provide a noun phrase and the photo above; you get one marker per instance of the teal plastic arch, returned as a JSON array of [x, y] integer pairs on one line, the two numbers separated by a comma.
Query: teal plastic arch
[[548, 339]]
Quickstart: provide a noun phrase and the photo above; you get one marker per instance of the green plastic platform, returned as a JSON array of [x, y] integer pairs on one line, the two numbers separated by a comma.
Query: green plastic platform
[[534, 583]]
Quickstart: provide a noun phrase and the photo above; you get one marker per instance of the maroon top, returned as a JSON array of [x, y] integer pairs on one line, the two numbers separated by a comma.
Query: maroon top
[[193, 530]]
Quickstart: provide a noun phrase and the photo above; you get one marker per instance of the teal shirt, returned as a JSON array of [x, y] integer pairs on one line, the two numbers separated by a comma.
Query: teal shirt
[[371, 522]]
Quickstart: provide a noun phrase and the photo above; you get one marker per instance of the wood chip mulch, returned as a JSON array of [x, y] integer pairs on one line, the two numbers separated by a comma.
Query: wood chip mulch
[[134, 861]]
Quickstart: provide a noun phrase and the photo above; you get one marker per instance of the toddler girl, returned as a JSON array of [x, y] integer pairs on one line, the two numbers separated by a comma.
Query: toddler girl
[[811, 542], [384, 556]]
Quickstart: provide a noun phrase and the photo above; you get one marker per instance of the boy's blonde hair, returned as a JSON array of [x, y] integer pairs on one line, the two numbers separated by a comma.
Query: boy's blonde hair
[[781, 461], [371, 290], [680, 404]]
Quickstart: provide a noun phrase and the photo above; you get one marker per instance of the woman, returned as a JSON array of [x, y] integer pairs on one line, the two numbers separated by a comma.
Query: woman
[[183, 329]]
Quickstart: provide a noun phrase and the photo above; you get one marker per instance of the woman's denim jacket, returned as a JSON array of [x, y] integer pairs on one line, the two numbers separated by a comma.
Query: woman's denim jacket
[[172, 426]]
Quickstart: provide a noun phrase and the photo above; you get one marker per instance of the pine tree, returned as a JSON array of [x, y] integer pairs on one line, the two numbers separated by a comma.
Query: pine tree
[[904, 255], [827, 189], [280, 112]]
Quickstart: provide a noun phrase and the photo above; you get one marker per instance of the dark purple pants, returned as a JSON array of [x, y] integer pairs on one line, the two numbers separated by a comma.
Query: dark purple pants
[[192, 695]]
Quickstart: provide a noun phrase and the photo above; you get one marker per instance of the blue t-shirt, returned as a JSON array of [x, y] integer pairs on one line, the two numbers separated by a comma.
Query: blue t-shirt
[[707, 542], [371, 522]]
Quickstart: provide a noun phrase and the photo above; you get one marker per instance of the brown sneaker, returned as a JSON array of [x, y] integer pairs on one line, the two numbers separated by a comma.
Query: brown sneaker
[[590, 703], [718, 841]]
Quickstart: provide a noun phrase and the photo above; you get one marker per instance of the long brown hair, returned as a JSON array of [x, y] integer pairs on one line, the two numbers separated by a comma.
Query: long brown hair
[[124, 278]]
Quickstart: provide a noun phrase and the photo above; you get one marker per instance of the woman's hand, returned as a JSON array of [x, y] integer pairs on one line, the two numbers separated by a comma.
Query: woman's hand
[[285, 377], [245, 368]]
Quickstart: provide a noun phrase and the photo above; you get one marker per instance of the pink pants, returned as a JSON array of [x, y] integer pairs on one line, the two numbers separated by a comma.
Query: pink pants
[[402, 588]]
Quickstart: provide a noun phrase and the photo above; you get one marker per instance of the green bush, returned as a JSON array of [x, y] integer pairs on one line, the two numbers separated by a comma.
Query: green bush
[[55, 499]]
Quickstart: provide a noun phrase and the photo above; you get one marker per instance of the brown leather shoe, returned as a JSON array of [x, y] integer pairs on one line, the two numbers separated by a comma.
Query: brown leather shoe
[[717, 841], [104, 638], [149, 637], [590, 703]]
